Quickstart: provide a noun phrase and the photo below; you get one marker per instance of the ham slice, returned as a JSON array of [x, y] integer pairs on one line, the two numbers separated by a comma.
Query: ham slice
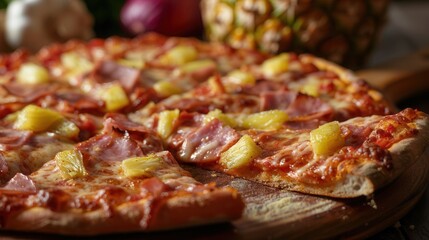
[[120, 121], [146, 138], [206, 143], [20, 184], [277, 100], [11, 138], [108, 71], [121, 139], [304, 111], [194, 104], [109, 147], [30, 93], [75, 101], [4, 168], [304, 105], [263, 87]]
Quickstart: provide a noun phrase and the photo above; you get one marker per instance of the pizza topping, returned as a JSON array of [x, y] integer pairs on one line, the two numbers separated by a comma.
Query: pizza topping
[[119, 121], [132, 63], [355, 135], [205, 144], [70, 101], [20, 184], [70, 163], [109, 147], [275, 65], [115, 97], [34, 118], [179, 55], [11, 138], [75, 64], [166, 122], [301, 108], [224, 118], [166, 88], [29, 93], [110, 71], [277, 100], [194, 104], [31, 73], [215, 85], [262, 86], [241, 153], [311, 87], [326, 139], [4, 168], [267, 120], [200, 66], [305, 105], [65, 128], [142, 166], [241, 78], [147, 139]]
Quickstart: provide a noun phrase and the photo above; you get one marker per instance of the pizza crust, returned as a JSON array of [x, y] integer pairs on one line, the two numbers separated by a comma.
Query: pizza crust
[[220, 205]]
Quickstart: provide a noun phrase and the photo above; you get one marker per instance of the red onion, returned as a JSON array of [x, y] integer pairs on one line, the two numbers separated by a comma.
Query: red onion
[[169, 17]]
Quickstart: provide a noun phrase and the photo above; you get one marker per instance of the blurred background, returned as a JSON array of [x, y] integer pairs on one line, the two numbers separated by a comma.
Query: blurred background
[[354, 33]]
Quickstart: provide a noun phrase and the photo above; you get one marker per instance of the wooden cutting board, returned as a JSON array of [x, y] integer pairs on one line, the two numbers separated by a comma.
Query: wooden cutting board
[[279, 214]]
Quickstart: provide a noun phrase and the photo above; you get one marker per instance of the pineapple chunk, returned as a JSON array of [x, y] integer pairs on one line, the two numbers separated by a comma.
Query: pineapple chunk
[[327, 139], [225, 119], [275, 65], [114, 97], [241, 77], [70, 163], [311, 88], [31, 73], [65, 128], [166, 88], [268, 120], [139, 64], [142, 166], [197, 65], [241, 153], [179, 55], [36, 119], [166, 122], [76, 64]]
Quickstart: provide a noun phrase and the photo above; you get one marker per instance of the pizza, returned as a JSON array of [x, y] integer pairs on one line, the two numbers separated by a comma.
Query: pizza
[[94, 135]]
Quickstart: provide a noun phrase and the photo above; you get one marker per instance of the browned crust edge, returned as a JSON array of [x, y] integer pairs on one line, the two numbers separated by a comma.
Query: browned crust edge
[[219, 205]]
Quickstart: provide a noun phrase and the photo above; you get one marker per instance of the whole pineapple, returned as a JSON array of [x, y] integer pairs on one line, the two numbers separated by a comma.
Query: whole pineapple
[[343, 31]]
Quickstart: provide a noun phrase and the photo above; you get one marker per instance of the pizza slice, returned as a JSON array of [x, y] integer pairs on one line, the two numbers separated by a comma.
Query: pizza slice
[[347, 159], [118, 181]]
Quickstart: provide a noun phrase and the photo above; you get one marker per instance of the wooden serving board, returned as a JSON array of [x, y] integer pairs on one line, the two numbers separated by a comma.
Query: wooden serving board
[[280, 214]]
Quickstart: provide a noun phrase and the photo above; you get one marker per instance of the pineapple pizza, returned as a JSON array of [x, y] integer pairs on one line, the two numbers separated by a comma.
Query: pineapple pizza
[[94, 135]]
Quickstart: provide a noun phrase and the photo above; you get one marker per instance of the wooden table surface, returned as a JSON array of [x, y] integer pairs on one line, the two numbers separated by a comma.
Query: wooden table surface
[[407, 31]]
